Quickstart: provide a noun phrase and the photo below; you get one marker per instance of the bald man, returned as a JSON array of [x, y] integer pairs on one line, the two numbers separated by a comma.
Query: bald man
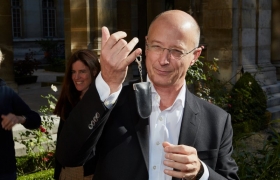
[[183, 137]]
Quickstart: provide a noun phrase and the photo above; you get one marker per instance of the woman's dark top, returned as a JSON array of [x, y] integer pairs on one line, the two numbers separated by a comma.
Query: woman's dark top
[[89, 166]]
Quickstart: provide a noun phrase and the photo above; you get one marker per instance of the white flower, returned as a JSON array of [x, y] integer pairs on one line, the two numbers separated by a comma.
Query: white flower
[[52, 106], [250, 83], [54, 88]]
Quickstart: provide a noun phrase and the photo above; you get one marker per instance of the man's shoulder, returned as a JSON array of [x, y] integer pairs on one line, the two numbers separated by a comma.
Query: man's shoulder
[[207, 104]]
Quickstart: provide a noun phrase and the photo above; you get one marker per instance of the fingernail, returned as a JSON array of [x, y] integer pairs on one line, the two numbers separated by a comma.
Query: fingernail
[[136, 39]]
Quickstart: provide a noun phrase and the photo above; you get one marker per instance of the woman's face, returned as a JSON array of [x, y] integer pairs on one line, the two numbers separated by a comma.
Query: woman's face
[[81, 76]]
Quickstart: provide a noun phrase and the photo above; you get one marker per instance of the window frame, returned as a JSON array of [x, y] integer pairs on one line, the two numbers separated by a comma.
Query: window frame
[[16, 18], [49, 18]]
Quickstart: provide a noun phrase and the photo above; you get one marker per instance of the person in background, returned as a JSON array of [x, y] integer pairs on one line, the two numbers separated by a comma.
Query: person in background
[[184, 137], [13, 110], [82, 69]]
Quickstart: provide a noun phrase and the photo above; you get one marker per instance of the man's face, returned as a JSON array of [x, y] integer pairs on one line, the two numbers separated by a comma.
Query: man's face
[[164, 70]]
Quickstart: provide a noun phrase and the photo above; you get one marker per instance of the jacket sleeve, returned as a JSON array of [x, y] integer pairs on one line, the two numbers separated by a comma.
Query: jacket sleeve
[[57, 167], [82, 130], [33, 119], [226, 167]]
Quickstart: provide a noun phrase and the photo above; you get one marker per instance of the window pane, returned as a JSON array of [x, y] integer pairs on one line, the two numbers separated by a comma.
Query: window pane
[[16, 18], [48, 18]]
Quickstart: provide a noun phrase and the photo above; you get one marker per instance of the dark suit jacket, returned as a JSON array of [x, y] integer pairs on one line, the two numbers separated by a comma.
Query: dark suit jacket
[[119, 137]]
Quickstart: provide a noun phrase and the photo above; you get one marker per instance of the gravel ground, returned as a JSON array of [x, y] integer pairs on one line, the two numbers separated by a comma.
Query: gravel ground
[[256, 141]]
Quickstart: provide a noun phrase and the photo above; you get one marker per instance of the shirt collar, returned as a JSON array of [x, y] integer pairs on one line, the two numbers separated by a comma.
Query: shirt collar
[[180, 97]]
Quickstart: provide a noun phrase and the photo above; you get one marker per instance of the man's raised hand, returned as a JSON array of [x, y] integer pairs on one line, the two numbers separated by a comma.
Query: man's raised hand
[[115, 57]]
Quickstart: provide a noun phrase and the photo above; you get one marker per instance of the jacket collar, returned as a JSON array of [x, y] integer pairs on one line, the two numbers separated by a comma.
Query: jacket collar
[[190, 121]]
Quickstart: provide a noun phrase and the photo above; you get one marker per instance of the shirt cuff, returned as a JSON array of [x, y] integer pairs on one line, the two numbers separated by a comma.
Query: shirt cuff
[[205, 175], [104, 92]]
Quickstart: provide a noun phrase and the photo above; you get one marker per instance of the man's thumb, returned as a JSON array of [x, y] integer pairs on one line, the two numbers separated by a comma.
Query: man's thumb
[[165, 144], [105, 35]]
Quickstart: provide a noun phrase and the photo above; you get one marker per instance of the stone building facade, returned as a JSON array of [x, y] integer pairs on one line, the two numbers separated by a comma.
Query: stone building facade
[[22, 24], [243, 34], [239, 33]]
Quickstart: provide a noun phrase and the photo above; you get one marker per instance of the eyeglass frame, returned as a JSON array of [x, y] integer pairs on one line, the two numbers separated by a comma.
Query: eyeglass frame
[[170, 49]]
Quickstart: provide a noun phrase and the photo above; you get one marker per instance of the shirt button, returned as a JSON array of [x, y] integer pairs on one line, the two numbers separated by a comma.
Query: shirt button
[[158, 143], [154, 167], [160, 118]]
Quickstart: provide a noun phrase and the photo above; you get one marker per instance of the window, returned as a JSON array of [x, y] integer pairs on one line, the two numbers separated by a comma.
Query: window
[[16, 18], [48, 18]]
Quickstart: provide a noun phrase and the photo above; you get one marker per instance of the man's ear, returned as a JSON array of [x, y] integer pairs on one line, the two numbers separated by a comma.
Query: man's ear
[[196, 53], [193, 61]]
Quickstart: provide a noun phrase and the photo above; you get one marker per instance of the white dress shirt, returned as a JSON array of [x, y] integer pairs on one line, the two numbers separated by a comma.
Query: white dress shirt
[[164, 126]]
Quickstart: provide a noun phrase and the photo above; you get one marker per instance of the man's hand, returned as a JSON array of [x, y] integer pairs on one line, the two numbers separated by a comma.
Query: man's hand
[[183, 158], [8, 121], [115, 57]]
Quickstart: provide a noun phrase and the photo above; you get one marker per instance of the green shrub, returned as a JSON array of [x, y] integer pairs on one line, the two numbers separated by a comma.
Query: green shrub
[[26, 66], [261, 163], [42, 175], [195, 73], [54, 54], [34, 163], [38, 142], [248, 104], [202, 81]]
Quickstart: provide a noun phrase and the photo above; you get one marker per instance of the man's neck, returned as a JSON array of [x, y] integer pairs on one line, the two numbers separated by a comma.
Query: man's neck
[[167, 95]]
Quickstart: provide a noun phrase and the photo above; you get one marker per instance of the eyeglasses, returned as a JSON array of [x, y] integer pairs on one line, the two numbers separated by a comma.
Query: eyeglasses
[[175, 53]]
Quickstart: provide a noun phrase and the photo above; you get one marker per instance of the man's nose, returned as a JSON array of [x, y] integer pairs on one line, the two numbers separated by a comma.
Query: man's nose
[[165, 57]]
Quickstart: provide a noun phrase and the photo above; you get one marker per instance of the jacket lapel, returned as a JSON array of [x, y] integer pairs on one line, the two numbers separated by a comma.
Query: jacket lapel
[[190, 121], [143, 129]]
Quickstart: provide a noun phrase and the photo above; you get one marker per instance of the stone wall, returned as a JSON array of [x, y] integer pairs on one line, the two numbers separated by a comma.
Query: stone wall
[[218, 35], [253, 29], [6, 44], [275, 36]]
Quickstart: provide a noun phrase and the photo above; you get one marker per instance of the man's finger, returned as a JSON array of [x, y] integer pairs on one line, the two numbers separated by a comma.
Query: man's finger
[[110, 40], [178, 149], [127, 49], [127, 61], [105, 35], [114, 40]]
